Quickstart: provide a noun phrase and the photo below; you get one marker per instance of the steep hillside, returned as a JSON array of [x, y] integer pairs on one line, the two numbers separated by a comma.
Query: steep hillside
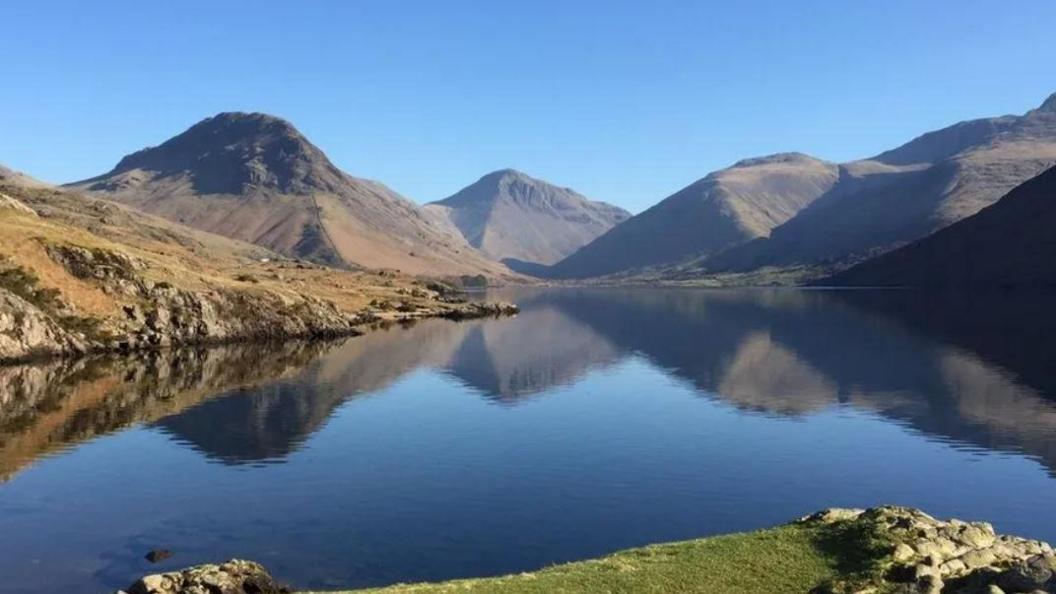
[[255, 178], [79, 274], [1010, 243], [906, 193], [511, 216], [726, 208]]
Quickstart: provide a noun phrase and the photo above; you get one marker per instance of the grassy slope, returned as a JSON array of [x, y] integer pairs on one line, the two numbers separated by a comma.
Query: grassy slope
[[169, 253], [806, 556]]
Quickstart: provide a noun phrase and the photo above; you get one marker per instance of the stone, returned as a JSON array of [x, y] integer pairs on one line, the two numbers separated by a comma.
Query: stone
[[158, 555], [930, 584], [978, 559], [233, 577], [977, 536], [927, 548], [903, 553], [1033, 574], [16, 205], [953, 567]]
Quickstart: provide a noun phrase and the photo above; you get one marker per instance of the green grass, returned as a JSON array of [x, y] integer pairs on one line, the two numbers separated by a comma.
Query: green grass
[[791, 558]]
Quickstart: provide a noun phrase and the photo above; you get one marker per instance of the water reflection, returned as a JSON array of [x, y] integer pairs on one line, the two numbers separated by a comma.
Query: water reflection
[[595, 420], [45, 408], [976, 371]]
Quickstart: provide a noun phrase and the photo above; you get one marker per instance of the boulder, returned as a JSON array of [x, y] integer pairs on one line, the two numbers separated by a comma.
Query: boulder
[[234, 577]]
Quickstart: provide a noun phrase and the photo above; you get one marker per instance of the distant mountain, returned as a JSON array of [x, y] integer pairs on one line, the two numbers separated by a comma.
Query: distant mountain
[[904, 194], [1010, 243], [514, 217], [17, 178], [254, 177], [726, 208]]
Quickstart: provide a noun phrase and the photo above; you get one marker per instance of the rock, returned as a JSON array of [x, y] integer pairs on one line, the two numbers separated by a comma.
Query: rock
[[15, 205], [903, 553], [956, 557], [158, 555], [978, 536], [930, 584], [25, 330], [953, 567], [1033, 574], [992, 589], [234, 577], [978, 559], [835, 514], [466, 311]]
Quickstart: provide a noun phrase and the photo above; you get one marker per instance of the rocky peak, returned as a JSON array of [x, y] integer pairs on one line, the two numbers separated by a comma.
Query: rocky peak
[[227, 152], [507, 184], [1049, 104], [789, 157], [505, 179]]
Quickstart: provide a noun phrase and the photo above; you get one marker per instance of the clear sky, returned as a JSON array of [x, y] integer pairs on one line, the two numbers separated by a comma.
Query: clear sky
[[623, 101]]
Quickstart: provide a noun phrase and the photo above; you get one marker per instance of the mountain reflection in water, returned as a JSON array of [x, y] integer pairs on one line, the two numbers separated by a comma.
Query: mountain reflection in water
[[971, 374]]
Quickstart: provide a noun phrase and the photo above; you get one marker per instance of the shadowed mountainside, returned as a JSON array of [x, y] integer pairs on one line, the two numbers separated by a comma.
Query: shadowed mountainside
[[1008, 244]]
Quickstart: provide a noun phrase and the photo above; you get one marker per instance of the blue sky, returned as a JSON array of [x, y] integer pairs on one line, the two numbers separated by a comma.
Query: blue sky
[[623, 101]]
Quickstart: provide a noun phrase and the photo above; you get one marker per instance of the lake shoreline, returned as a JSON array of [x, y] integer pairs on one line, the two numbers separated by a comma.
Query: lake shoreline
[[834, 551], [323, 328]]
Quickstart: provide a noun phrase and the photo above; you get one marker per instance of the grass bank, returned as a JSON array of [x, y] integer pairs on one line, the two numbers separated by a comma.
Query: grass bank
[[883, 550], [791, 558]]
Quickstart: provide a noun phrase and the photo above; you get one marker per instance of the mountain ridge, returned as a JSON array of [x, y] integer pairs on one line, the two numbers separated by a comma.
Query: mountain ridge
[[725, 208], [256, 178], [512, 216], [1007, 244], [901, 195]]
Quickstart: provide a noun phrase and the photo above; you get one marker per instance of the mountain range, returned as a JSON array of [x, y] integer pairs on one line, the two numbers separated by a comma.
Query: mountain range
[[794, 210], [1008, 244], [254, 177], [515, 218], [725, 208]]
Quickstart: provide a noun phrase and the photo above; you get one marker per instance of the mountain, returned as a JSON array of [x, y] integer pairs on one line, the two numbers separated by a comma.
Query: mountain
[[906, 193], [17, 178], [726, 208], [254, 177], [512, 216], [1009, 243], [79, 274]]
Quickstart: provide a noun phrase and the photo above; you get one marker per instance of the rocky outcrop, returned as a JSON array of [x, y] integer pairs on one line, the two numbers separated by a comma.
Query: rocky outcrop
[[468, 311], [923, 555], [158, 314], [26, 331], [15, 205], [234, 577]]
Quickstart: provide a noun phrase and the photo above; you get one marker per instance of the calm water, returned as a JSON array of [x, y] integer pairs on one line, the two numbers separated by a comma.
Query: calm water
[[596, 420]]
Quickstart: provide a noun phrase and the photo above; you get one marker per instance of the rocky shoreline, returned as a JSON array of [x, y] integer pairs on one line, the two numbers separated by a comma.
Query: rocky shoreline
[[923, 555], [37, 323], [37, 338], [883, 550]]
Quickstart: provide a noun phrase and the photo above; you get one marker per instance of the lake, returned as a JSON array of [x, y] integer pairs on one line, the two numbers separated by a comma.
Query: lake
[[593, 421]]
